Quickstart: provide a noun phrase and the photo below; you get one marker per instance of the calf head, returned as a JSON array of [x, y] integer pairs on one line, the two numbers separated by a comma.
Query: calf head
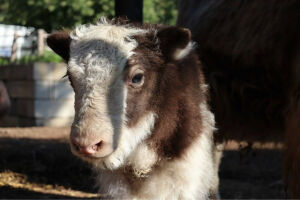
[[116, 71]]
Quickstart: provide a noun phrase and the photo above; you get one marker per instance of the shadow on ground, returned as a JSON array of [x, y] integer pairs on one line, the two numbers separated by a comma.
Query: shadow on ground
[[43, 162], [49, 163], [255, 175], [12, 193]]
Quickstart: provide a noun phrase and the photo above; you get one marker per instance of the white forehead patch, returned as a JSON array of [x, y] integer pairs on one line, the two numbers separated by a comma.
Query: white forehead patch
[[99, 51]]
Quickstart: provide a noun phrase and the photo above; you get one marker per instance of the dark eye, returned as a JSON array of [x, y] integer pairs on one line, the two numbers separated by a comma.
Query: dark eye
[[137, 79]]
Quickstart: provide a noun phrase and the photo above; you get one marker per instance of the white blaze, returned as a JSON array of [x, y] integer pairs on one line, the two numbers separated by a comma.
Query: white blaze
[[98, 55]]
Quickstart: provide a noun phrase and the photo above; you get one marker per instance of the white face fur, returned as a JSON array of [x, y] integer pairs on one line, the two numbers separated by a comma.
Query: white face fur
[[98, 55]]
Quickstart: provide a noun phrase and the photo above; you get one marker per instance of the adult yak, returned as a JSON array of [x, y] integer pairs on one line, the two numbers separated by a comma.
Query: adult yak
[[250, 50]]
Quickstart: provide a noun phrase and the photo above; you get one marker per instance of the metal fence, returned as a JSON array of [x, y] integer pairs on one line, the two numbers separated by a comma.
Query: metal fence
[[17, 40]]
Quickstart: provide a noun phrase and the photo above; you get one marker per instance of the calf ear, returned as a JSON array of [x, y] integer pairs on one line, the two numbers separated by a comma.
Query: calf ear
[[60, 42], [175, 42]]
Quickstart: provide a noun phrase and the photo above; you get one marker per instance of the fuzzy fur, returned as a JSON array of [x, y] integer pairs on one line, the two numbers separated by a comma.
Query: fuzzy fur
[[98, 56], [159, 135], [190, 177], [250, 52]]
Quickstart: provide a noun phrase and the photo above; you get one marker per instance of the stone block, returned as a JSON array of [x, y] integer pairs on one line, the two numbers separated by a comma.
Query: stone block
[[54, 108], [54, 122], [49, 71], [9, 121], [16, 72], [20, 89], [40, 89], [62, 90], [13, 106], [4, 73], [35, 71], [20, 72], [43, 89], [27, 122], [25, 108], [39, 95]]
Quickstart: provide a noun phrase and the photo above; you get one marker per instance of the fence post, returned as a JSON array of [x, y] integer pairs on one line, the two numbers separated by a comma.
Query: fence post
[[13, 54], [41, 41]]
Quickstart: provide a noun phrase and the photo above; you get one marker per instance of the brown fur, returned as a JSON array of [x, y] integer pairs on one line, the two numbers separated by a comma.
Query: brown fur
[[171, 39], [250, 50], [60, 44], [292, 152], [172, 90], [179, 124], [172, 146], [244, 64]]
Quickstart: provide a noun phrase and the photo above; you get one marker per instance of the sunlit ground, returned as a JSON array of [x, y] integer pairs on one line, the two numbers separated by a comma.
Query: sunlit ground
[[37, 163]]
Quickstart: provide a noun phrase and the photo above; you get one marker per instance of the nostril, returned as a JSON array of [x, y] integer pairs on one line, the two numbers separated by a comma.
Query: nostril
[[91, 149], [99, 144], [96, 147]]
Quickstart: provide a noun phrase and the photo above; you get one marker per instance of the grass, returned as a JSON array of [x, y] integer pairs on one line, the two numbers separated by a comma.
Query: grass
[[47, 56]]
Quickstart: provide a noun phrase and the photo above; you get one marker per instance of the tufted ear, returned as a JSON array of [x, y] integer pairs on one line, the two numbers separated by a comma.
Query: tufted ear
[[175, 42], [60, 42]]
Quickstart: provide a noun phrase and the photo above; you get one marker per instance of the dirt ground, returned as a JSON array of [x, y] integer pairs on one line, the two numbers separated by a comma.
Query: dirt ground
[[37, 163]]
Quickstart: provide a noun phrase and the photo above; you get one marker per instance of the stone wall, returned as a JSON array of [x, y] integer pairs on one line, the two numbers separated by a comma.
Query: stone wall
[[39, 94]]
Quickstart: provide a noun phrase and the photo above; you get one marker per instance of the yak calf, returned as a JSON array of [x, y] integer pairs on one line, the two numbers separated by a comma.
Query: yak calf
[[141, 114]]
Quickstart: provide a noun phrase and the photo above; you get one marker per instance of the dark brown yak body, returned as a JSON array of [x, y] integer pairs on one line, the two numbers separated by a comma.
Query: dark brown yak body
[[251, 56]]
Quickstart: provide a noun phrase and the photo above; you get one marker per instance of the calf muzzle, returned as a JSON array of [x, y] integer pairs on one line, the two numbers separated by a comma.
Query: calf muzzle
[[88, 150], [99, 148]]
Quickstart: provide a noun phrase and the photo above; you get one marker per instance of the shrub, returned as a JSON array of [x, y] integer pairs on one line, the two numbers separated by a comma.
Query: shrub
[[47, 56], [57, 14]]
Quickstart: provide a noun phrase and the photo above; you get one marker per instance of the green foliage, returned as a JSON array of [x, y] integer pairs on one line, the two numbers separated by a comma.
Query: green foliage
[[57, 14], [160, 11], [53, 14], [4, 61], [47, 56]]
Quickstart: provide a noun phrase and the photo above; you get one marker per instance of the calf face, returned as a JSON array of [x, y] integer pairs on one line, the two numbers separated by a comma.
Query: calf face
[[116, 72]]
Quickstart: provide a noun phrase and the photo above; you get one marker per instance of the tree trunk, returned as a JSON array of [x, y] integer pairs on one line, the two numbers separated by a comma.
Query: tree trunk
[[132, 9], [13, 54]]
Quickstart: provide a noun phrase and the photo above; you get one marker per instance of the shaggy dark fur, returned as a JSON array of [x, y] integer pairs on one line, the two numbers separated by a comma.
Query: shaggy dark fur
[[171, 89], [250, 51], [60, 43]]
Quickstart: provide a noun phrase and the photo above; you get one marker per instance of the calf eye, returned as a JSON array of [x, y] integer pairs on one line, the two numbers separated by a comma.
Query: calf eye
[[137, 78]]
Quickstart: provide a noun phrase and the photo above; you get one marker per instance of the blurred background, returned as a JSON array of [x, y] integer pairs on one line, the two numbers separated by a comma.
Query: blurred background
[[24, 21], [36, 106], [29, 69]]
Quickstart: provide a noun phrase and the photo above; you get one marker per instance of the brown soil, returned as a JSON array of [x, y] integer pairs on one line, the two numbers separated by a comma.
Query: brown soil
[[37, 163]]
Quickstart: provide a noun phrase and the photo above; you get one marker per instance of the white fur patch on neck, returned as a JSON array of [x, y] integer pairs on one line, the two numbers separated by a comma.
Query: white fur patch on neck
[[181, 53], [130, 138]]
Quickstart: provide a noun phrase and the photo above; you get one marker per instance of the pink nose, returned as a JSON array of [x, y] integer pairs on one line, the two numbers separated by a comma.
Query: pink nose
[[87, 150]]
